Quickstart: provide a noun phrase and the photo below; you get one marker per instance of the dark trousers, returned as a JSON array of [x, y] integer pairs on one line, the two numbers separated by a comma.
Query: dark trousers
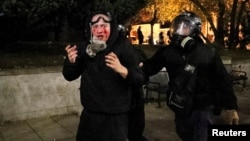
[[102, 127], [194, 127], [137, 117]]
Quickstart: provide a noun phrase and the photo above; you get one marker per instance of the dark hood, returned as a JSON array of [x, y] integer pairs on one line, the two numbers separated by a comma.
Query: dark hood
[[113, 25]]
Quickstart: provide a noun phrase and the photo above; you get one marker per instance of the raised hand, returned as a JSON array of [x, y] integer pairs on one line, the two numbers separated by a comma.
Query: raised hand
[[113, 62], [71, 53]]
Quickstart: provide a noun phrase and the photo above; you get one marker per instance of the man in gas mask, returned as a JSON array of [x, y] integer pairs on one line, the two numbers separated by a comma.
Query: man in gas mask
[[109, 72], [199, 82]]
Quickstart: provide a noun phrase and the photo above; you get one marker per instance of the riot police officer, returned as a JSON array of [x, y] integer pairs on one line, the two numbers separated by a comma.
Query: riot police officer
[[199, 82]]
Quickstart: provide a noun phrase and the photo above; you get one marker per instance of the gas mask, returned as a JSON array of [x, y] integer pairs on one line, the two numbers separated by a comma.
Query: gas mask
[[181, 31], [95, 46]]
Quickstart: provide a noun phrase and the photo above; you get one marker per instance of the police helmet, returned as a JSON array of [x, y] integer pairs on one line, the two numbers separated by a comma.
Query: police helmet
[[186, 24]]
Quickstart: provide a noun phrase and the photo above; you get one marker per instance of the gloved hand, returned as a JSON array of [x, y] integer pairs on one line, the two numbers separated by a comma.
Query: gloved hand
[[230, 117]]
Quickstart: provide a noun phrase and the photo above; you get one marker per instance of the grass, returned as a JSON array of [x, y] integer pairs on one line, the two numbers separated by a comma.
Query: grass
[[46, 54], [32, 55]]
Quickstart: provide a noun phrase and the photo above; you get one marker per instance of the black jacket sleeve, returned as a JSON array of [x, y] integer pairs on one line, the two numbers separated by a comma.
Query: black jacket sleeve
[[223, 85], [155, 63], [72, 71], [136, 76]]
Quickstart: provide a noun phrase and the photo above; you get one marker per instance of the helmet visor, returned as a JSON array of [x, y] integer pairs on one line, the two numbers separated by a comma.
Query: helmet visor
[[181, 27]]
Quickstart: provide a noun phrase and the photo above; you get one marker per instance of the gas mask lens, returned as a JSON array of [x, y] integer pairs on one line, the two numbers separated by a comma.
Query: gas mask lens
[[181, 27]]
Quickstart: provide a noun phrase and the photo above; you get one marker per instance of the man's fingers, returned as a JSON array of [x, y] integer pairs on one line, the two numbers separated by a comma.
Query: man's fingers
[[141, 64], [113, 55], [71, 53], [109, 60], [70, 48], [67, 48], [236, 122]]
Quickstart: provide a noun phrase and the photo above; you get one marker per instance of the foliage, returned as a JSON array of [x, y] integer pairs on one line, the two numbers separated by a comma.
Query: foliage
[[228, 14], [122, 9], [31, 20], [163, 10], [218, 13], [24, 20], [31, 10]]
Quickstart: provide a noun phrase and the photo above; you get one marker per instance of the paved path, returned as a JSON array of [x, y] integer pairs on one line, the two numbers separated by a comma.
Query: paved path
[[159, 124]]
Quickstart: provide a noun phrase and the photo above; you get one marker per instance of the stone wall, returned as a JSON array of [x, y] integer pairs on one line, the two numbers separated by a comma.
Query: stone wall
[[43, 92], [36, 93], [240, 65]]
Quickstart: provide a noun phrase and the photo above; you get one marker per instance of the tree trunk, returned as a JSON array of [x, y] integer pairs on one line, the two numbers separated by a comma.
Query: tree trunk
[[232, 34], [219, 34], [238, 22]]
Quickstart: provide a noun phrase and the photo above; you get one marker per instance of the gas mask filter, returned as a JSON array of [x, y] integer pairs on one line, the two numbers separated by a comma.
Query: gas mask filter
[[95, 46]]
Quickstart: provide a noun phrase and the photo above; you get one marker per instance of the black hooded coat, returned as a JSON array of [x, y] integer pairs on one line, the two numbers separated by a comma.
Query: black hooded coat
[[102, 89]]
